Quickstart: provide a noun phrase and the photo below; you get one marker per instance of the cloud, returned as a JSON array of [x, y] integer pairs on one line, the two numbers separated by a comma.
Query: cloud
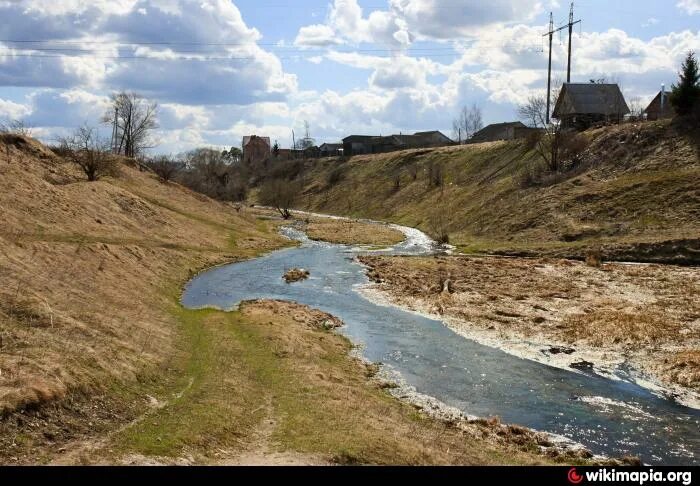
[[690, 6], [407, 20], [9, 110], [211, 57]]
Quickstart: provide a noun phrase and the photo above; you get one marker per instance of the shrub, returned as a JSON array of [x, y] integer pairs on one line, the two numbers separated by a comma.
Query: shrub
[[335, 176], [164, 167], [594, 257], [88, 151]]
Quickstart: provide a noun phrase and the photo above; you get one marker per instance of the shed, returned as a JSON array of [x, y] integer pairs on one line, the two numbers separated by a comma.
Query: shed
[[581, 105]]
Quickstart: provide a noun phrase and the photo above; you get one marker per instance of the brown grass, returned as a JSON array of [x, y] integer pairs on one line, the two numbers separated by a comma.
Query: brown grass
[[345, 232], [631, 194], [650, 313], [81, 264]]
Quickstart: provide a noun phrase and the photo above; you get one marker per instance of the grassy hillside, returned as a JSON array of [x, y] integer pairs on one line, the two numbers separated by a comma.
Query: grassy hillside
[[635, 192]]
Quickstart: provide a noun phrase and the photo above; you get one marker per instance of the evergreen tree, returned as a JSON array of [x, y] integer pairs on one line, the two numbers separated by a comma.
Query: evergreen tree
[[685, 96]]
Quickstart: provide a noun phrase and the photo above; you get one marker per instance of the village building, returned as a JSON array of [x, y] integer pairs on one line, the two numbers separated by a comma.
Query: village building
[[582, 105], [660, 107], [502, 131], [256, 150], [331, 149], [364, 144]]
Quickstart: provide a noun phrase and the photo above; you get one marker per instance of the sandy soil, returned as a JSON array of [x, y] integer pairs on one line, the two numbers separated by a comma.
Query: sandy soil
[[560, 312]]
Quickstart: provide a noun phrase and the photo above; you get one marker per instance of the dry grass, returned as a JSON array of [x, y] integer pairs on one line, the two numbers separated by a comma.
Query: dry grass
[[633, 195], [352, 232], [296, 275], [650, 313], [100, 363], [81, 264]]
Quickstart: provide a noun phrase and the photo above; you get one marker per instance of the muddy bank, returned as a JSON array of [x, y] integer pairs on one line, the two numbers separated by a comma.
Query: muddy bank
[[673, 252], [643, 319]]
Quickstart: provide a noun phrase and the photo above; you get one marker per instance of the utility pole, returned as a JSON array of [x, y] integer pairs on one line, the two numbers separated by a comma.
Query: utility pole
[[294, 145], [571, 34], [549, 70], [551, 33], [114, 130]]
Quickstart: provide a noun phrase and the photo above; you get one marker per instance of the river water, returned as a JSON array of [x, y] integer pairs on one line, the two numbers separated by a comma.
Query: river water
[[610, 417]]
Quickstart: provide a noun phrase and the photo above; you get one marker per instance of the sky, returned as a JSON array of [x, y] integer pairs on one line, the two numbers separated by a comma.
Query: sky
[[222, 69]]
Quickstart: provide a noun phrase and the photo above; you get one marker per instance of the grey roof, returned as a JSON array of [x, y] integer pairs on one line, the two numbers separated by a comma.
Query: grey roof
[[332, 146], [494, 129], [590, 98]]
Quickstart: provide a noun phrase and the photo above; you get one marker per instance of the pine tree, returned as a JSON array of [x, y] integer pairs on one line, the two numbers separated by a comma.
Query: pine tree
[[686, 95]]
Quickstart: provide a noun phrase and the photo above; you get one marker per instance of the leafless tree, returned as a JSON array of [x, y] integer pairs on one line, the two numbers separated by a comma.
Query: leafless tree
[[468, 122], [636, 108], [551, 143], [281, 195], [90, 152], [133, 119], [16, 127], [164, 167]]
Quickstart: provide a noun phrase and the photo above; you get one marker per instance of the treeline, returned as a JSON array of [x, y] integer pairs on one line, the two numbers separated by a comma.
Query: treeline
[[218, 174]]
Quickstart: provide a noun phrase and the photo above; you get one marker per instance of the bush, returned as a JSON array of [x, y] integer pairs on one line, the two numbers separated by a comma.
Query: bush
[[594, 257], [335, 176], [164, 167], [436, 177], [88, 151], [533, 138]]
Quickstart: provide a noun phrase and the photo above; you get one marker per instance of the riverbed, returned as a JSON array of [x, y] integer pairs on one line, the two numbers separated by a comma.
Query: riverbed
[[610, 417]]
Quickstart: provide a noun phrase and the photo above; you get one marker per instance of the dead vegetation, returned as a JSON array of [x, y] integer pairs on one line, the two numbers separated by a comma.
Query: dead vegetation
[[82, 263], [648, 313], [351, 232], [296, 275], [630, 192]]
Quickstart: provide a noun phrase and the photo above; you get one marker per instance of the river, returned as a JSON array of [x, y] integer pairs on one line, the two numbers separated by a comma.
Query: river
[[609, 417]]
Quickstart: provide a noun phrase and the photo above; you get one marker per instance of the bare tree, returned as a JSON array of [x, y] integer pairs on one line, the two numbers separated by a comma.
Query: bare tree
[[552, 144], [164, 167], [281, 195], [16, 127], [133, 119], [636, 108], [90, 152], [468, 122], [534, 113]]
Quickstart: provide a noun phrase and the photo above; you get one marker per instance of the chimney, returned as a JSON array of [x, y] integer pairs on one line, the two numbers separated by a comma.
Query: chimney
[[663, 97]]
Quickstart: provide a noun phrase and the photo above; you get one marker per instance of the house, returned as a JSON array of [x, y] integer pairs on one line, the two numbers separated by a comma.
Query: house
[[256, 149], [358, 144], [364, 144], [331, 149], [660, 107], [433, 138], [581, 105], [502, 131]]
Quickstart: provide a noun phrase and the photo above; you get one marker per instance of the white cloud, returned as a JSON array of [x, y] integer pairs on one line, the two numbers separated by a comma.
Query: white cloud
[[241, 71], [9, 110], [690, 6]]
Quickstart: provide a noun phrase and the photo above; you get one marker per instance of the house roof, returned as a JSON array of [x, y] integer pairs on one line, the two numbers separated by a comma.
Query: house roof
[[332, 146], [590, 98], [655, 104], [359, 138], [247, 139], [494, 129]]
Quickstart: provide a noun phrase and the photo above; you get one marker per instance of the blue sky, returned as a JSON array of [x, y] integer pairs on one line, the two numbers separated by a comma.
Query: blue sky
[[221, 69]]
